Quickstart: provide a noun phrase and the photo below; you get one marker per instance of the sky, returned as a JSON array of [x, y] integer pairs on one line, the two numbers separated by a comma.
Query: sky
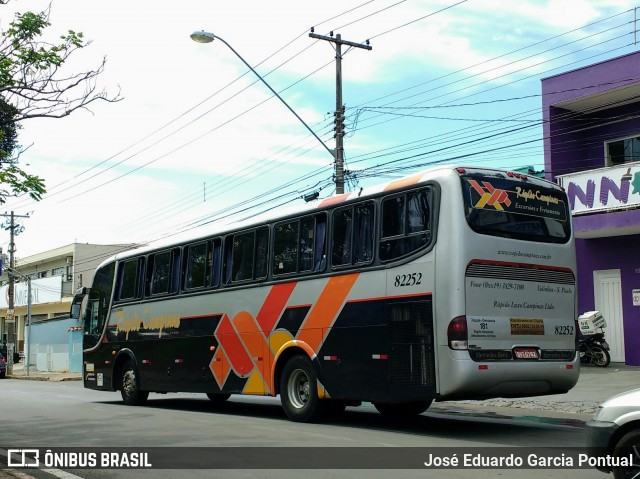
[[198, 140]]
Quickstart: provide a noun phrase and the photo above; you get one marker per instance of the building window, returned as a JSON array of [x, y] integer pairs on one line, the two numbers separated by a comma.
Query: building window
[[623, 151], [57, 272]]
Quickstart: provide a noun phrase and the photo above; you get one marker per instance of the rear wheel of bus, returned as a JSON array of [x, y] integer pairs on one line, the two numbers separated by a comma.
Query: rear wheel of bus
[[299, 390], [130, 386]]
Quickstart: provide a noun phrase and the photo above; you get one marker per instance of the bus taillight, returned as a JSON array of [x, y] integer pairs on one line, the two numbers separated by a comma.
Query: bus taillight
[[457, 333]]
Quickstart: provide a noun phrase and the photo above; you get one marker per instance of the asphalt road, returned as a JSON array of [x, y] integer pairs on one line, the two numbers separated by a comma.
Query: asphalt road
[[62, 414]]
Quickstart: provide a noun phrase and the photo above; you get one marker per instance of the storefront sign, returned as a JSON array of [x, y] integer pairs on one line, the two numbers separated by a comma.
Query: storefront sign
[[604, 189], [43, 290]]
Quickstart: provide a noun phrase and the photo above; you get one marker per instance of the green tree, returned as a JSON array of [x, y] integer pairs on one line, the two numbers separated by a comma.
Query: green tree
[[35, 84], [9, 131]]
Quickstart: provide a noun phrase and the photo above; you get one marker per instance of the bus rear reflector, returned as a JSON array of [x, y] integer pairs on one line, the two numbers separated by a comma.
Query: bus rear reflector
[[457, 333]]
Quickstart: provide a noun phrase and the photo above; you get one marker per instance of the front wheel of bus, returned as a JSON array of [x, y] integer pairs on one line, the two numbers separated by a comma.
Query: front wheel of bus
[[130, 386], [299, 390], [406, 409]]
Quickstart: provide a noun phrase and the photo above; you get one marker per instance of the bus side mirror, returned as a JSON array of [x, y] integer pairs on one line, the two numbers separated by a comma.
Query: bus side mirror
[[82, 291], [76, 303]]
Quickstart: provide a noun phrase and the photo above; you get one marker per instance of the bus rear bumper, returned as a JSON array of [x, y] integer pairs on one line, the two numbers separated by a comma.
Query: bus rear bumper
[[468, 379]]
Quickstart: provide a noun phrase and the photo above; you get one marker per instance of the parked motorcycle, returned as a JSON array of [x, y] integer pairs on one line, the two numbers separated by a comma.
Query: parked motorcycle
[[594, 349], [592, 346]]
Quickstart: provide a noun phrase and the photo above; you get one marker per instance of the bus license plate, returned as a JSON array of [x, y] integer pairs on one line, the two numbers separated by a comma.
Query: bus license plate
[[526, 353]]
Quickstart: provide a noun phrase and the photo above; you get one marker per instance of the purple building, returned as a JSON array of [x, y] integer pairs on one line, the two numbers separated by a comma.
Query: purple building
[[592, 148]]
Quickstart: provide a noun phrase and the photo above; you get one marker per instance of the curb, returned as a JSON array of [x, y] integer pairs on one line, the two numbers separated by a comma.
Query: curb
[[39, 376], [43, 378]]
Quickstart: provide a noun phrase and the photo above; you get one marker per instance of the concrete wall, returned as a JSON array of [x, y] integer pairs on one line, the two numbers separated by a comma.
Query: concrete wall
[[54, 347]]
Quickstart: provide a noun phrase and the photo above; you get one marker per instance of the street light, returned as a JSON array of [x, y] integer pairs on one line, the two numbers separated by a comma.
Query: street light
[[207, 37]]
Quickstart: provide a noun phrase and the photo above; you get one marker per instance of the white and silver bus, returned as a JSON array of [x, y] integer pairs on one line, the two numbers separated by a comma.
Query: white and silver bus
[[453, 283]]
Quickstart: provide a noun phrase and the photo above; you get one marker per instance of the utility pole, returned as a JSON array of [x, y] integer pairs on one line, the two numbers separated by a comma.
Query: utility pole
[[339, 114], [11, 326]]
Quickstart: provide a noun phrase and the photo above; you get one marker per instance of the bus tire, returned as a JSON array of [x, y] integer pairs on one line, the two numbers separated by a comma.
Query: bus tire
[[405, 409], [299, 390], [130, 386], [218, 397]]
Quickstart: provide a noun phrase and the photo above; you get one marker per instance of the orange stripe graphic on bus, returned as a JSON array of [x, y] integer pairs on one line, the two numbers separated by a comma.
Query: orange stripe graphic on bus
[[230, 342], [403, 182], [274, 305], [244, 340], [325, 310]]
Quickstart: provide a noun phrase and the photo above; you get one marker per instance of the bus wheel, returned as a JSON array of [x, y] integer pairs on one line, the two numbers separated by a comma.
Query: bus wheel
[[299, 390], [405, 409], [130, 386], [218, 397]]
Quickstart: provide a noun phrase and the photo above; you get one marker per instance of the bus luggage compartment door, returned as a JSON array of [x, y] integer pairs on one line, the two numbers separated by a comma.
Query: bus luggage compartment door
[[411, 352]]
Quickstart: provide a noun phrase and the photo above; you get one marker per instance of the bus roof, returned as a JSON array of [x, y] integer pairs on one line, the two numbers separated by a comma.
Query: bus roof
[[220, 228]]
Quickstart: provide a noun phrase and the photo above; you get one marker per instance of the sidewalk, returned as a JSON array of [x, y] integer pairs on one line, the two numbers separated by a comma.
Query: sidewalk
[[595, 385], [20, 372]]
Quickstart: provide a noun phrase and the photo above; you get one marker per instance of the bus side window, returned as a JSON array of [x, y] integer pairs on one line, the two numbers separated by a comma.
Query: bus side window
[[418, 212], [352, 241], [405, 225], [342, 233], [307, 243], [175, 270], [261, 254], [320, 254], [197, 265], [285, 251], [129, 279], [363, 234], [160, 271], [299, 245], [228, 259], [216, 262], [243, 256]]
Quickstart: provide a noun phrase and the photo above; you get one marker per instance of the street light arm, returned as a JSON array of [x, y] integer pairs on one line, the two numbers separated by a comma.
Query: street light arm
[[14, 272], [207, 37]]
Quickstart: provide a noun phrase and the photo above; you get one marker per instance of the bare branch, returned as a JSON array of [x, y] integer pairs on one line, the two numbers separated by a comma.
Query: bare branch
[[35, 84], [31, 78]]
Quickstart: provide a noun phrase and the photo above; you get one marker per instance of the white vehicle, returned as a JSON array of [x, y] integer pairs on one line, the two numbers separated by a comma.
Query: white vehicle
[[614, 435], [451, 283]]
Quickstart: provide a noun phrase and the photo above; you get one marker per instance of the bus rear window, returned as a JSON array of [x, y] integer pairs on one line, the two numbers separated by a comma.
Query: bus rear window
[[512, 208]]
